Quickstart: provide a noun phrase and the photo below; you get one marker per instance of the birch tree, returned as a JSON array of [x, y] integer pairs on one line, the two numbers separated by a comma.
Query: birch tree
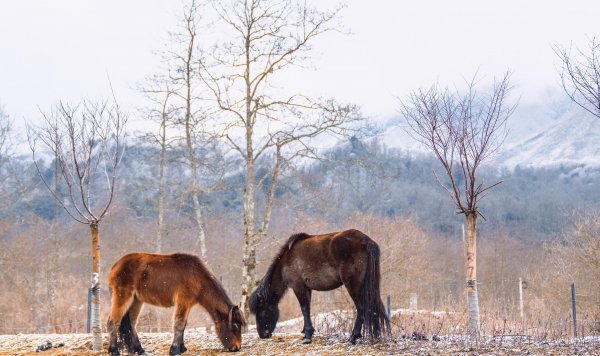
[[160, 94], [579, 72], [265, 39], [462, 130], [87, 140], [183, 74]]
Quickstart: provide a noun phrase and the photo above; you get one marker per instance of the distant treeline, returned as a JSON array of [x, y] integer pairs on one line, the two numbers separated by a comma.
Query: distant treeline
[[355, 176]]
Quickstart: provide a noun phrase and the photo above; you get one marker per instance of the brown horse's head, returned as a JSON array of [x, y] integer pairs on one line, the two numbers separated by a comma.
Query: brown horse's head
[[266, 311], [229, 328]]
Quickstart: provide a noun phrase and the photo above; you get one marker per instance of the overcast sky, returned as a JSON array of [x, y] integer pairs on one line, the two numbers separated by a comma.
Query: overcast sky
[[66, 49]]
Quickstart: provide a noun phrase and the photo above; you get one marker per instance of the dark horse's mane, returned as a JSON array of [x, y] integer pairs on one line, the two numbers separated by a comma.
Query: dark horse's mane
[[262, 291]]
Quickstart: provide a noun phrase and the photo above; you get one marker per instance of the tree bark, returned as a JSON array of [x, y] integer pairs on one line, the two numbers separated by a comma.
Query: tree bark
[[472, 298], [53, 278], [161, 185], [250, 238], [95, 315]]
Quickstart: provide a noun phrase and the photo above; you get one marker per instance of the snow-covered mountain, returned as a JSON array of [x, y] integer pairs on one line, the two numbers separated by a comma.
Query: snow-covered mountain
[[574, 139], [537, 138]]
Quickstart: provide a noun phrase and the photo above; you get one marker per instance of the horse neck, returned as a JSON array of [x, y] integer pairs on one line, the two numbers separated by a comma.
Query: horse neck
[[273, 282], [214, 299]]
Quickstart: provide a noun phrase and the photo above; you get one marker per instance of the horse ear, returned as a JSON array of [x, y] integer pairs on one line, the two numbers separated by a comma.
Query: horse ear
[[239, 316]]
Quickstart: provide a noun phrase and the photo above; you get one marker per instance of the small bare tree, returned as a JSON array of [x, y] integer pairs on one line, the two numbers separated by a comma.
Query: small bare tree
[[462, 131], [260, 120], [87, 141], [579, 72]]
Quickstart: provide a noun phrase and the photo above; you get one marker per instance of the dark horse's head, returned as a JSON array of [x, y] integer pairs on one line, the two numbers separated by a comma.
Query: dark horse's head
[[266, 311], [229, 328]]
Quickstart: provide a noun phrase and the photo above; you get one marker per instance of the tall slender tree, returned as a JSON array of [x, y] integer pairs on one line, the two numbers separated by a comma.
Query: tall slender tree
[[462, 130], [183, 76], [87, 140], [264, 39]]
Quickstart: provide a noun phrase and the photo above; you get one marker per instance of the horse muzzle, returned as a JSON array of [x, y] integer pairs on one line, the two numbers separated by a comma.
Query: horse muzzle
[[234, 348]]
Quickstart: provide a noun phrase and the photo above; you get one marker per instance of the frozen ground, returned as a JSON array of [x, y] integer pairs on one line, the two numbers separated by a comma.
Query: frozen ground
[[200, 343]]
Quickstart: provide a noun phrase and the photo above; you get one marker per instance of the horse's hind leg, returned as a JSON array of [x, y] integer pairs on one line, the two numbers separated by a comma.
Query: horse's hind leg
[[181, 313], [121, 299], [134, 345], [304, 295], [353, 284]]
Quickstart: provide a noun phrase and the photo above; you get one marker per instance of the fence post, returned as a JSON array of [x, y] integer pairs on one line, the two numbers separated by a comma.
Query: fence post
[[574, 309], [389, 306], [89, 311], [521, 297]]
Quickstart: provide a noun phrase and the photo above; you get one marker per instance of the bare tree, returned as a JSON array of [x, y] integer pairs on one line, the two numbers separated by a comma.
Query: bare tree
[[267, 38], [87, 141], [579, 72], [6, 145], [183, 76], [160, 93], [462, 131]]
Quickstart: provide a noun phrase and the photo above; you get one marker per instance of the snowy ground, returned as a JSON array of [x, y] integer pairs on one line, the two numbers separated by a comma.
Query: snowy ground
[[200, 343], [332, 341]]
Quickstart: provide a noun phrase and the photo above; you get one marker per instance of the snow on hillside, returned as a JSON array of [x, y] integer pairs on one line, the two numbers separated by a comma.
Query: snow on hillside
[[537, 137], [573, 140]]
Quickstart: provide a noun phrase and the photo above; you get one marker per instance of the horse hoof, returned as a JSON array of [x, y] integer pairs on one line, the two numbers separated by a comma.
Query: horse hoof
[[306, 341], [113, 351], [182, 349]]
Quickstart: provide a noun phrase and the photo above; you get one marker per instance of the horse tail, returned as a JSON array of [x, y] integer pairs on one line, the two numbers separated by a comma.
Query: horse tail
[[375, 319]]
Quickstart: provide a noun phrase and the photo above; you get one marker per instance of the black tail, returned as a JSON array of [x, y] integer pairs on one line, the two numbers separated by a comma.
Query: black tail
[[376, 321]]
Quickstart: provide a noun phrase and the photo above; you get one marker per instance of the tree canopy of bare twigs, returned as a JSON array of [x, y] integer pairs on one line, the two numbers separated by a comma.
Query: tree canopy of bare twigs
[[259, 114], [579, 71], [462, 130], [5, 130], [87, 142]]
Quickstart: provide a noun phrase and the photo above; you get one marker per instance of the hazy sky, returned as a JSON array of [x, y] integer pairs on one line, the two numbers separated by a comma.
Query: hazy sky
[[66, 49]]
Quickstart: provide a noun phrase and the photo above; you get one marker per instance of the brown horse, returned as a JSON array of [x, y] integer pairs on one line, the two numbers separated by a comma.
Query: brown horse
[[323, 263], [166, 280]]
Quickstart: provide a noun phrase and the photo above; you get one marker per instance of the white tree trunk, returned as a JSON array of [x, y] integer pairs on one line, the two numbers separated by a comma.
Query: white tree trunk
[[161, 186], [95, 315], [472, 298], [199, 221], [250, 240]]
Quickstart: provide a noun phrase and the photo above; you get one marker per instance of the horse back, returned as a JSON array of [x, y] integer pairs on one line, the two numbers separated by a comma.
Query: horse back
[[159, 279], [317, 260]]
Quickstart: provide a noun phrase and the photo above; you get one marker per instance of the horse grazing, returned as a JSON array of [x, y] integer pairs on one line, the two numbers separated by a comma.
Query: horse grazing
[[323, 262], [166, 280]]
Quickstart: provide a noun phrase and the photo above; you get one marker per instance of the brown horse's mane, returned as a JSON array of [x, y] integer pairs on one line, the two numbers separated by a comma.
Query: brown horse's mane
[[263, 289], [217, 292]]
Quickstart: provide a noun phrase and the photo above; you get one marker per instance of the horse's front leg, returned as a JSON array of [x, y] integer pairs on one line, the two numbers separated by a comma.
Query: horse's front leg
[[304, 294], [181, 314]]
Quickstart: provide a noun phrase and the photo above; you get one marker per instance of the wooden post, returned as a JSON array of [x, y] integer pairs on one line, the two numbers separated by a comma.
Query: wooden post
[[89, 311], [521, 297], [574, 309], [389, 306]]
